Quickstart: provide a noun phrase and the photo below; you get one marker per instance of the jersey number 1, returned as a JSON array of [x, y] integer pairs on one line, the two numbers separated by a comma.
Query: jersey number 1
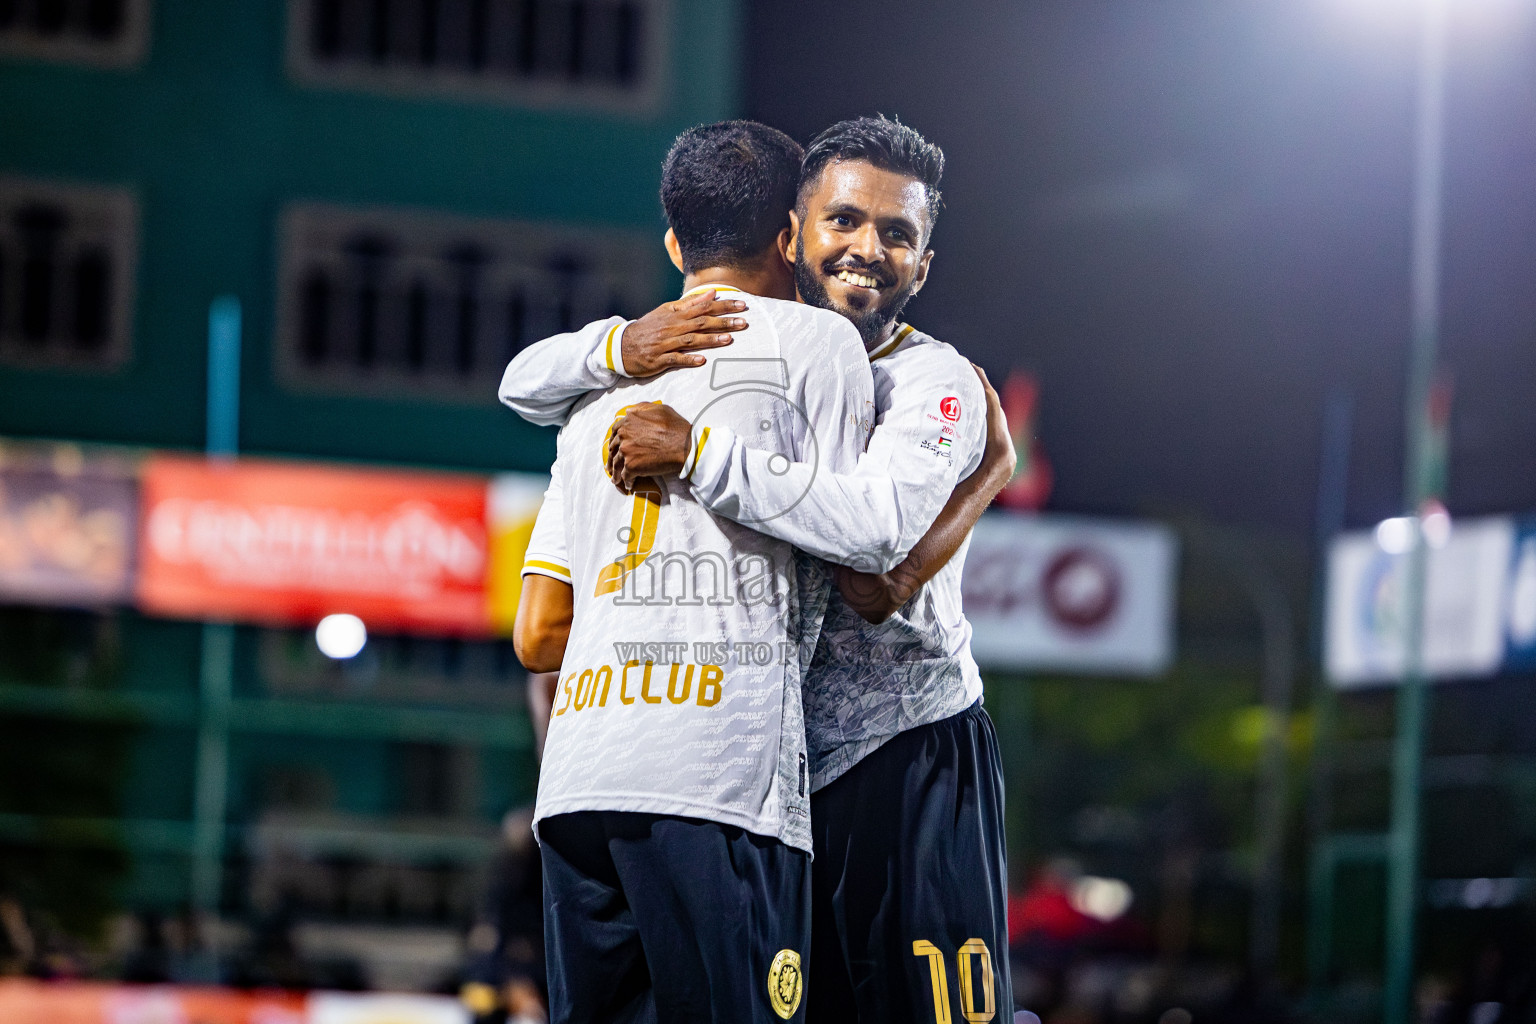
[[640, 535], [974, 949], [638, 538]]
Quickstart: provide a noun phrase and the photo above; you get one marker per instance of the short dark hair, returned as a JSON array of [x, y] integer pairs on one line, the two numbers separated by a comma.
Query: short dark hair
[[727, 189], [882, 141]]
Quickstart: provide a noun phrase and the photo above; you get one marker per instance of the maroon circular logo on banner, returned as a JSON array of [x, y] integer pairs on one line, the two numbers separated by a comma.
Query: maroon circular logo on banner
[[950, 407], [1081, 588]]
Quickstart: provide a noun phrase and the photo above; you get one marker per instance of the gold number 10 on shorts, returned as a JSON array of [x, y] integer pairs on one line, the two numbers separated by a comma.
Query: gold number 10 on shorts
[[974, 951]]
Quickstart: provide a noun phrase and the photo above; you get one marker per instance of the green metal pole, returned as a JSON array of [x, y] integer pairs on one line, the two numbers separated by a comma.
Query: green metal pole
[[1419, 482], [210, 797], [1011, 701], [1403, 839], [216, 670], [1278, 641], [1332, 490], [1321, 867]]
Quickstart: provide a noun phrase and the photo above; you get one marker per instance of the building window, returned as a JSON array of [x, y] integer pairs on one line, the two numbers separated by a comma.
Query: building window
[[601, 52], [405, 669], [66, 274], [108, 33], [411, 304]]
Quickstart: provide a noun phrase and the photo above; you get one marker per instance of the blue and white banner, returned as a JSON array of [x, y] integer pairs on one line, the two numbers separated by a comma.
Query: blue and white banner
[[1520, 603], [1466, 605]]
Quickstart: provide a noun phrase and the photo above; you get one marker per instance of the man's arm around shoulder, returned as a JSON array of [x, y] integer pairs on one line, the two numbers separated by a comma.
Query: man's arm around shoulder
[[546, 380]]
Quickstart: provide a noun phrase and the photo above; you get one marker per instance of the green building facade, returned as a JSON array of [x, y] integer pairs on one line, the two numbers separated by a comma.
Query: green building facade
[[400, 194]]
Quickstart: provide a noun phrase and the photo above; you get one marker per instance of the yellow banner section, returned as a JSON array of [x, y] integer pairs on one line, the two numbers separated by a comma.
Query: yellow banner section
[[513, 502]]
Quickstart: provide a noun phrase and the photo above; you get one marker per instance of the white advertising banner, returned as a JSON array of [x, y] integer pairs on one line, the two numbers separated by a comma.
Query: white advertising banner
[[1063, 592], [1464, 605], [381, 1008]]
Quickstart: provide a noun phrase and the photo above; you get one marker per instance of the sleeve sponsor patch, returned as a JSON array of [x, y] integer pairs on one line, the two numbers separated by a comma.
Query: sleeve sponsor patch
[[940, 446], [949, 414], [943, 441]]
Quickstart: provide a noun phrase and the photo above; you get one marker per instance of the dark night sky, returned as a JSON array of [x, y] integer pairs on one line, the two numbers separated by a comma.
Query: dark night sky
[[1191, 220]]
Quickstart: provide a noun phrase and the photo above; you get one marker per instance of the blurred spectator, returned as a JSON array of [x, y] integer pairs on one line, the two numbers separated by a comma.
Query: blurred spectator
[[1496, 986], [1044, 932], [34, 944], [273, 959], [18, 948], [1043, 917], [504, 979], [149, 962], [1074, 947]]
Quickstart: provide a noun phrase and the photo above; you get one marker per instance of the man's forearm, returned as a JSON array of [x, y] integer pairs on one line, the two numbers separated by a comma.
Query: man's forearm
[[546, 379], [542, 648], [877, 596], [865, 519], [542, 627]]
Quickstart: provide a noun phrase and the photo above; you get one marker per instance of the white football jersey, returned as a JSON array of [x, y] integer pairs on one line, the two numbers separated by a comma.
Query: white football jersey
[[869, 683], [680, 692]]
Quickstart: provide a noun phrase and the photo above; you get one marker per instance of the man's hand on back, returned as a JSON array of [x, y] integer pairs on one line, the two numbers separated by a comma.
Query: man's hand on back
[[672, 334], [649, 440], [878, 596], [998, 459]]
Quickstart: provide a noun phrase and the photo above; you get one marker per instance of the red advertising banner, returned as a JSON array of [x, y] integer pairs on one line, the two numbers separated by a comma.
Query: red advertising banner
[[31, 1002], [289, 543]]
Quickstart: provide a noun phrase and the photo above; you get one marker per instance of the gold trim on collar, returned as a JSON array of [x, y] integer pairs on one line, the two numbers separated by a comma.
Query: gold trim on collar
[[893, 344], [707, 287]]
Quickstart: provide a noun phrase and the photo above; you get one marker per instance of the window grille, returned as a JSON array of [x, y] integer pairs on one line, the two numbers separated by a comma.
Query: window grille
[[406, 303], [108, 33], [403, 668], [603, 52], [66, 274]]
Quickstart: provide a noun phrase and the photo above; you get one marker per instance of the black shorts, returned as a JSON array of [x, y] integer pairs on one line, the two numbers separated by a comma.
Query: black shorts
[[909, 888], [652, 918]]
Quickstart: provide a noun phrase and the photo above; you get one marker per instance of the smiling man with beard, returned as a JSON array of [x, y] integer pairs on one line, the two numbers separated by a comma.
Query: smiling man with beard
[[874, 272], [908, 883]]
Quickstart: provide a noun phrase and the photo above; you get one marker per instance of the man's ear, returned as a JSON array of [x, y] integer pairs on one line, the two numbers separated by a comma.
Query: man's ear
[[789, 238], [922, 271], [674, 250]]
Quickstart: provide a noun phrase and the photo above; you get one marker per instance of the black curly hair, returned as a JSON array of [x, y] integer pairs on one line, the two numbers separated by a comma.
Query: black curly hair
[[727, 189], [882, 141]]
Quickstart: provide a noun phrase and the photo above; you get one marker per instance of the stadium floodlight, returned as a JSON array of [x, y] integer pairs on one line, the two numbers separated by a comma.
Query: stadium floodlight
[[1103, 899], [1395, 535], [1375, 15], [341, 636], [1435, 521]]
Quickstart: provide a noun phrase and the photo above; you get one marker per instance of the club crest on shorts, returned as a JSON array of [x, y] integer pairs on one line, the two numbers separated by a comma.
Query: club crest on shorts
[[785, 983]]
